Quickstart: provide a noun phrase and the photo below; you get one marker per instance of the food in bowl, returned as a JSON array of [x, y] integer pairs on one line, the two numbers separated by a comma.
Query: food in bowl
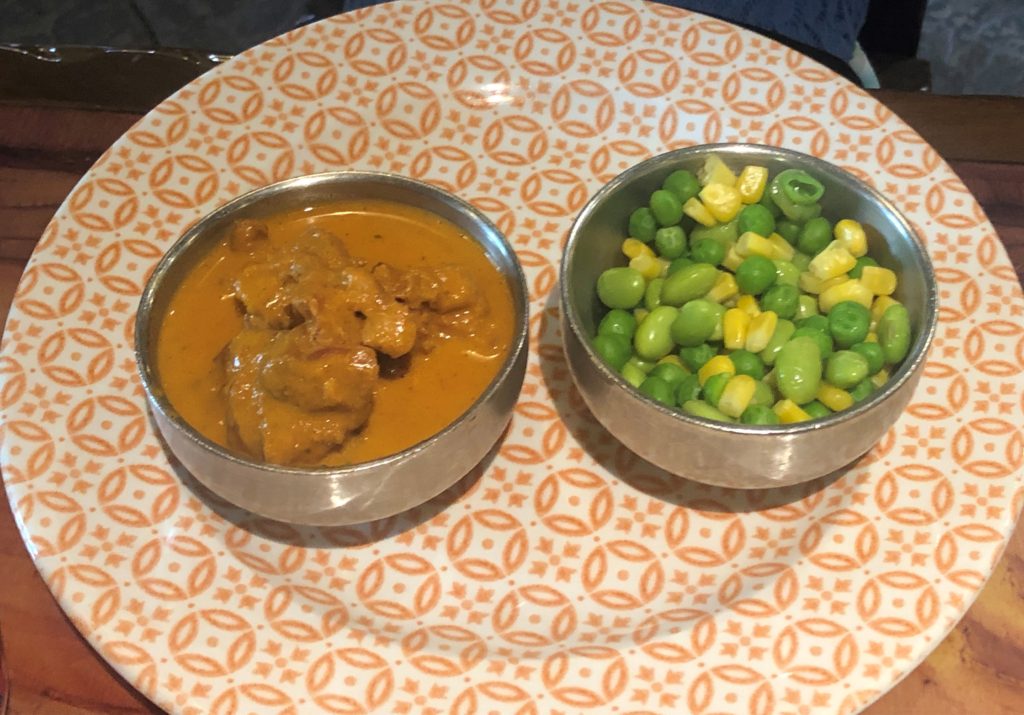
[[741, 301], [334, 334]]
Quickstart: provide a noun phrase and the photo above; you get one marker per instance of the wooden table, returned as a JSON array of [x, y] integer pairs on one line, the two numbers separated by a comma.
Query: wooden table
[[979, 668]]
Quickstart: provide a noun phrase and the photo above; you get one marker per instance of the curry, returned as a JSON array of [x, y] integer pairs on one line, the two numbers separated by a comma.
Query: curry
[[334, 335]]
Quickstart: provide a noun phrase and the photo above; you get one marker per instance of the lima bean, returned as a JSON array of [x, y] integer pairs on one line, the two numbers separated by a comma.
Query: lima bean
[[689, 282], [798, 369], [653, 338]]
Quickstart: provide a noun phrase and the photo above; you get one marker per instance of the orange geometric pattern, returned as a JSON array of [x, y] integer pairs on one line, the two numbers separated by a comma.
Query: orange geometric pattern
[[564, 575]]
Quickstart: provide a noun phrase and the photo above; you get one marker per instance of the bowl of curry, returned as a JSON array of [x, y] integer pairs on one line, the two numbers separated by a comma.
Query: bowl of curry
[[334, 348]]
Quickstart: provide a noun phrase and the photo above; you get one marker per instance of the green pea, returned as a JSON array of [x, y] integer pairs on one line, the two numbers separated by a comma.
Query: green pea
[[858, 268], [643, 225], [688, 389], [613, 349], [789, 230], [652, 295], [782, 299], [798, 369], [894, 333], [845, 369], [658, 390], [822, 338], [671, 373], [699, 408], [863, 390], [806, 306], [683, 184], [707, 250], [695, 357], [693, 281], [725, 233], [621, 287], [670, 242], [814, 236], [816, 410], [714, 386], [678, 263], [696, 322], [653, 338], [872, 352], [747, 363], [666, 207], [801, 260], [617, 322], [783, 332], [758, 219], [759, 415], [644, 366], [755, 274], [848, 323], [786, 273], [763, 394], [633, 374], [815, 322]]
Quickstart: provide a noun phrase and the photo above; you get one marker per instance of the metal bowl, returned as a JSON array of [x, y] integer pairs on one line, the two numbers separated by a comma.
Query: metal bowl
[[360, 492], [737, 455]]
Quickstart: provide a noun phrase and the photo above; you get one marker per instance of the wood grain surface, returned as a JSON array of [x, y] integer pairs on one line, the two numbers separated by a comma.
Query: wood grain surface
[[44, 150]]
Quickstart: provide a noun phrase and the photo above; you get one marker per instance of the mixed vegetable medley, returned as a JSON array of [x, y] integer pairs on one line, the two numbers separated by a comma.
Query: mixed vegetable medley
[[741, 302]]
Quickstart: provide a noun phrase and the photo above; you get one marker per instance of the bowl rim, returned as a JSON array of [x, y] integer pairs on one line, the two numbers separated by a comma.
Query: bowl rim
[[914, 360], [159, 402]]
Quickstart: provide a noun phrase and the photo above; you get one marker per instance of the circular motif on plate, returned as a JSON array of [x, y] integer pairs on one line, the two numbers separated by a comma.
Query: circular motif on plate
[[444, 651], [554, 192], [611, 24], [534, 616], [306, 76], [649, 73], [585, 677], [573, 502], [107, 425], [704, 538], [375, 52], [515, 140], [103, 204], [583, 108], [75, 357], [444, 27], [408, 110], [304, 614], [399, 586], [59, 512], [350, 680], [230, 99], [61, 286], [480, 82], [197, 635], [337, 136], [711, 43], [623, 575], [174, 569], [815, 652], [448, 167], [545, 52], [262, 157], [494, 697], [487, 545], [139, 495], [753, 91], [660, 635], [253, 697]]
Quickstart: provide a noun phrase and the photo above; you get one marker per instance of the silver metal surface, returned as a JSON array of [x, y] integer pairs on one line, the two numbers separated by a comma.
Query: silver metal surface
[[736, 455], [361, 492]]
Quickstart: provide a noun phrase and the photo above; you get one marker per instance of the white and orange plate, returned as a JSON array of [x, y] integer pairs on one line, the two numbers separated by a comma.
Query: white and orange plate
[[564, 575]]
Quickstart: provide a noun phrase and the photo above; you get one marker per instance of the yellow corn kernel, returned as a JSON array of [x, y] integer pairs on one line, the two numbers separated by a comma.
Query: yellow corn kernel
[[833, 397], [851, 289], [698, 212], [736, 396], [722, 201], [751, 183], [871, 337], [674, 359], [878, 280], [880, 378], [834, 260], [633, 247], [748, 304], [878, 308], [715, 171], [649, 266], [734, 328], [789, 412], [762, 328], [640, 314], [752, 244], [784, 251], [724, 288], [717, 364], [732, 259], [810, 283], [851, 235]]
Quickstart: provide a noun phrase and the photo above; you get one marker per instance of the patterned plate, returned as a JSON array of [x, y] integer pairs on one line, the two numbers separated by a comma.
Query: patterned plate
[[564, 575]]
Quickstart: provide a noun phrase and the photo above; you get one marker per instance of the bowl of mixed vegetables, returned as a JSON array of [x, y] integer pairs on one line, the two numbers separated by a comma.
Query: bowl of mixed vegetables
[[745, 315]]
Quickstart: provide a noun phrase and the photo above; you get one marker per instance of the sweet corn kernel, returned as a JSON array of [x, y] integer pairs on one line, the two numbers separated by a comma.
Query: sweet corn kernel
[[784, 250], [640, 314], [851, 289], [878, 308], [751, 183], [789, 412], [878, 280], [748, 304], [810, 283], [762, 328], [732, 259], [851, 235], [715, 171], [722, 201], [734, 328], [724, 288], [633, 247], [752, 244], [833, 397], [674, 359], [871, 337], [736, 396], [880, 378], [834, 260], [649, 266], [698, 212], [717, 364]]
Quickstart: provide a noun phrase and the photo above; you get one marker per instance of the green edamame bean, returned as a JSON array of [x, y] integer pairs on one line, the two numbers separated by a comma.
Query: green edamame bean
[[633, 374], [789, 230], [773, 209], [613, 349], [863, 390], [816, 410], [782, 299], [696, 322], [758, 219], [645, 366], [678, 263], [872, 352], [821, 337], [814, 236], [786, 273], [714, 386], [759, 415], [671, 373], [894, 333], [695, 357], [707, 250], [658, 390], [683, 184], [798, 369], [725, 233], [698, 408], [653, 338], [846, 368], [783, 332], [858, 268], [617, 322], [848, 323], [687, 283], [747, 363], [806, 306], [755, 274], [643, 225], [688, 389], [666, 207], [763, 394], [621, 287], [670, 242], [652, 295]]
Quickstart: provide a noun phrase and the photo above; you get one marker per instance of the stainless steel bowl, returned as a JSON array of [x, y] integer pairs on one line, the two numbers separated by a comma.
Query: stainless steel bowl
[[736, 455], [366, 491]]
